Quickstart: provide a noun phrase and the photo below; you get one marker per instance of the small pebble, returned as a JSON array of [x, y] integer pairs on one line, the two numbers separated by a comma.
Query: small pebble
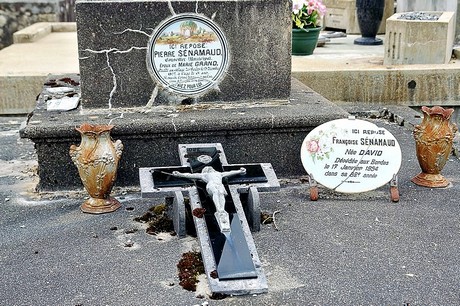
[[418, 16]]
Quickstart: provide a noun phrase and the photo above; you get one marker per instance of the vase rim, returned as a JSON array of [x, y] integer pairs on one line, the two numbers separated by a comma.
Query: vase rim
[[438, 110], [94, 128], [306, 29]]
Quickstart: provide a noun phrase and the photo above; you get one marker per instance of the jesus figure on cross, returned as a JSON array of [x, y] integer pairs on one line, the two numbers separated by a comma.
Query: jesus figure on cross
[[216, 189]]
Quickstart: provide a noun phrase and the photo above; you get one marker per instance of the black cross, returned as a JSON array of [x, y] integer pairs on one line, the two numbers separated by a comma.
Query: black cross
[[242, 202]]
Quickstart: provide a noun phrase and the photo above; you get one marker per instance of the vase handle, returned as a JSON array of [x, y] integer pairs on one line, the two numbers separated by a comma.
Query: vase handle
[[118, 148], [75, 153]]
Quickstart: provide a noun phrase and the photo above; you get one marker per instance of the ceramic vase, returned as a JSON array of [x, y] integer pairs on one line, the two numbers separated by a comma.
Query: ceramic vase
[[369, 14], [433, 143], [97, 160], [304, 41]]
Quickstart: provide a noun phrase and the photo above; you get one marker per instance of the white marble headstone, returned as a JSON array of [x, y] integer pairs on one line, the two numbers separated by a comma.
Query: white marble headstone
[[350, 155]]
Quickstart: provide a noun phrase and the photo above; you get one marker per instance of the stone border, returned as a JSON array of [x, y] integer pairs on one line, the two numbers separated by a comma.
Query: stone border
[[41, 29]]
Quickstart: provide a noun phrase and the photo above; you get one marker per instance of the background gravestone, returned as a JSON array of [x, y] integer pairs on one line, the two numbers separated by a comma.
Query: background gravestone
[[431, 5], [113, 49]]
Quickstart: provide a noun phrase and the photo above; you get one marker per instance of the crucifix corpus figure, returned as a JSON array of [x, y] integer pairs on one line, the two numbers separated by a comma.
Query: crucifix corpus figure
[[216, 189]]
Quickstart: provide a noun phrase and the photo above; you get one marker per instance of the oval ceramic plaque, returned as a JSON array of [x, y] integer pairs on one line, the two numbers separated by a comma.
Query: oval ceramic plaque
[[188, 54], [350, 155]]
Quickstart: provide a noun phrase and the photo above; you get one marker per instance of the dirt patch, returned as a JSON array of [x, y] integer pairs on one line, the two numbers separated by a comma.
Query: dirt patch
[[157, 220], [190, 266]]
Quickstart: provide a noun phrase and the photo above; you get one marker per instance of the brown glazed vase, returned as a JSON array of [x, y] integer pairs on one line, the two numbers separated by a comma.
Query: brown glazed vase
[[97, 160], [433, 144]]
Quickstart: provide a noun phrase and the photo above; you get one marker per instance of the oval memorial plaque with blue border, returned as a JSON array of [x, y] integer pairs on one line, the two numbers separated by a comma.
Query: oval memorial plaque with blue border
[[351, 155], [188, 54]]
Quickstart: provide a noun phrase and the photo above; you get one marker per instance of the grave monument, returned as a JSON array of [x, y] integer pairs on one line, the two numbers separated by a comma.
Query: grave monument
[[351, 156], [171, 72], [419, 38], [432, 5]]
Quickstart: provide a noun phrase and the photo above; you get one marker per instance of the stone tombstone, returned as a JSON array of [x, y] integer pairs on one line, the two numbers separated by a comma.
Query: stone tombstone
[[432, 5], [410, 42], [350, 155], [138, 53]]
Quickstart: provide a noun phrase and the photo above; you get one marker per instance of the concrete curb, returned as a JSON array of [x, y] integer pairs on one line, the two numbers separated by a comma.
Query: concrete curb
[[42, 29]]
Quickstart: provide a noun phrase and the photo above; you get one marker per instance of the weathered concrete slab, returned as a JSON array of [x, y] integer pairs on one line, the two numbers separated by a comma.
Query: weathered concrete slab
[[24, 66], [116, 48], [382, 84], [269, 132], [41, 29], [359, 75]]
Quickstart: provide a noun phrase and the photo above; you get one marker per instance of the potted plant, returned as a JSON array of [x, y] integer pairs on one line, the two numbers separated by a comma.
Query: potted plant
[[306, 17]]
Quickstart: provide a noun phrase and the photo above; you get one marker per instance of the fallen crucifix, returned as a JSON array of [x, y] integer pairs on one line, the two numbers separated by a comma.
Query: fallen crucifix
[[228, 196]]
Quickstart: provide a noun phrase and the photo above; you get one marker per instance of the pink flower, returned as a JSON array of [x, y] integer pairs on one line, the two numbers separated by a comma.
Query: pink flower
[[297, 5], [313, 146], [307, 13]]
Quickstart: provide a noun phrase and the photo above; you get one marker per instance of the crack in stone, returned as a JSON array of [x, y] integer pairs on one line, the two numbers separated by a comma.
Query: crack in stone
[[109, 65], [171, 9], [114, 79], [272, 120], [119, 117], [134, 31], [152, 97], [228, 74], [113, 50], [174, 125]]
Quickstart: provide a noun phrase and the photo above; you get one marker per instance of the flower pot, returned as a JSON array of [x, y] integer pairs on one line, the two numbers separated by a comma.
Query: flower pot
[[433, 143], [97, 160], [369, 14], [304, 40]]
